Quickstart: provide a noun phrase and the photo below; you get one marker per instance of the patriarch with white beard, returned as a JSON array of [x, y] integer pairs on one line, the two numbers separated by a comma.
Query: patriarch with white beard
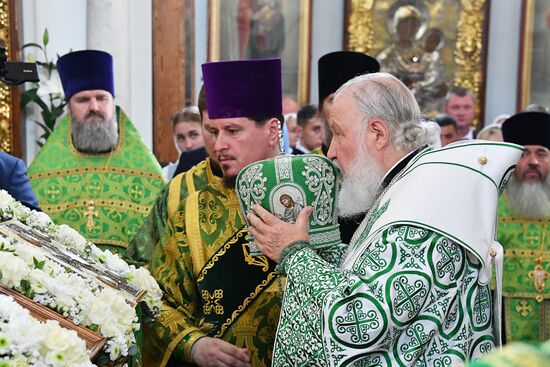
[[409, 270]]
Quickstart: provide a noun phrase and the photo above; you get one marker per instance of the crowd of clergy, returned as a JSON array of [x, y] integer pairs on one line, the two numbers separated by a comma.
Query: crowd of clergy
[[443, 251]]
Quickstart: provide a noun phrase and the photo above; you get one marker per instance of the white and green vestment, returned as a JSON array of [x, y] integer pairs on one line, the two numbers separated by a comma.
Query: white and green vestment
[[413, 289]]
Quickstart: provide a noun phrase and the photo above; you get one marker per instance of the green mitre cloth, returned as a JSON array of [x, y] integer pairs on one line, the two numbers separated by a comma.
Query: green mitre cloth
[[106, 197]]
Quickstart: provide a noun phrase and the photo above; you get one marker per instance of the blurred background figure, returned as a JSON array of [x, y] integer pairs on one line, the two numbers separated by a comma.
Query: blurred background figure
[[460, 103], [311, 130], [500, 119], [448, 127], [536, 107], [493, 132], [490, 132], [290, 105], [292, 129], [187, 129], [290, 108]]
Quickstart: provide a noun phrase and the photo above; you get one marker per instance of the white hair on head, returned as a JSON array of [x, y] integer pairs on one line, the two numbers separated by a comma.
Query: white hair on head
[[383, 96]]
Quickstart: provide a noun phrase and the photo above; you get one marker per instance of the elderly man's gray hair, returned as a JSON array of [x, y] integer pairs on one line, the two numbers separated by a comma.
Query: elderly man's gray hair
[[383, 96]]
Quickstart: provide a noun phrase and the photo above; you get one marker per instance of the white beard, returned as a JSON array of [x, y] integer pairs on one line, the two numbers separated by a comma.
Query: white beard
[[530, 200], [360, 185]]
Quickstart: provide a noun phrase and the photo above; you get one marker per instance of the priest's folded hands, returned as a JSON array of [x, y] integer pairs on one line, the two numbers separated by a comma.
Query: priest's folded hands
[[273, 235]]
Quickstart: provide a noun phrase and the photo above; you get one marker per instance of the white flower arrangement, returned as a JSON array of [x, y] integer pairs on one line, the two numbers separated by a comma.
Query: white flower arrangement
[[27, 270], [25, 341]]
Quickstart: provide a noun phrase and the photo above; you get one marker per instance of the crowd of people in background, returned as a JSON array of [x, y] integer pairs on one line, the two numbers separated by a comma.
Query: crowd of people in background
[[370, 124]]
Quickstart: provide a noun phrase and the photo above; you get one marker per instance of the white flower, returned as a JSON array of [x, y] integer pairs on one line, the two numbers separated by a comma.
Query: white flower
[[6, 201], [115, 263], [143, 280], [12, 268], [70, 238], [38, 280], [28, 253], [49, 84], [39, 220], [20, 211], [24, 341]]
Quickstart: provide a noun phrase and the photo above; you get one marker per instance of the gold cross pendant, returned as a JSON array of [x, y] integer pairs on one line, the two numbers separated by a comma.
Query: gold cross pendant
[[539, 275], [90, 214]]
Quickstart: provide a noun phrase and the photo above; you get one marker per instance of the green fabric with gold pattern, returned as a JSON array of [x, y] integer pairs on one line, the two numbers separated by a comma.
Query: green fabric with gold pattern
[[152, 231], [526, 283], [122, 184], [195, 239]]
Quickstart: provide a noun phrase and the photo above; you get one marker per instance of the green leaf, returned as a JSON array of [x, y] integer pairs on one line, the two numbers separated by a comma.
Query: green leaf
[[28, 97], [44, 127], [38, 264], [25, 284], [32, 44], [45, 37]]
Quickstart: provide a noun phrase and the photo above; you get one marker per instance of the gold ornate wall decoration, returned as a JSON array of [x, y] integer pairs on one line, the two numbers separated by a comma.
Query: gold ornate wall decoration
[[6, 130], [469, 48], [359, 30], [457, 58]]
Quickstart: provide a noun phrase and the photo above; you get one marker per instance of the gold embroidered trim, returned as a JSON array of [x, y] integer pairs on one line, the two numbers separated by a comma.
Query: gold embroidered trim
[[246, 302], [103, 203], [517, 252], [511, 219], [106, 241], [192, 227], [210, 264], [174, 191], [529, 295], [187, 346], [189, 180], [93, 169]]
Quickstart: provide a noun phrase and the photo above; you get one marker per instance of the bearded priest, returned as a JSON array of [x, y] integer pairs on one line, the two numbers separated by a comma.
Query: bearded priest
[[95, 173], [524, 231]]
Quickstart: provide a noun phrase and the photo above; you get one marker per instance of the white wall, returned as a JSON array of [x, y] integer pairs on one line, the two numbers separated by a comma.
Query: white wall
[[503, 59], [66, 21], [327, 35]]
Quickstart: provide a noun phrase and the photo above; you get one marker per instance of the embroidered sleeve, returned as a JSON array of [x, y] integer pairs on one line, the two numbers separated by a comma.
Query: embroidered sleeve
[[177, 328], [140, 248]]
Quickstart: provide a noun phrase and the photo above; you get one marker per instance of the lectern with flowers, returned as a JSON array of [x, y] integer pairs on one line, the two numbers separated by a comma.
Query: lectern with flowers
[[57, 274]]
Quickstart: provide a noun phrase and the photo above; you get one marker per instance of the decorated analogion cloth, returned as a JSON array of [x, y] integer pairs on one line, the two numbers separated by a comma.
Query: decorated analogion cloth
[[212, 285], [414, 287], [105, 197], [526, 283], [155, 228]]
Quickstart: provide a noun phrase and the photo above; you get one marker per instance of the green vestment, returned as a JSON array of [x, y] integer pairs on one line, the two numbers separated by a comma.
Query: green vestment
[[212, 285], [526, 287], [122, 184], [154, 229]]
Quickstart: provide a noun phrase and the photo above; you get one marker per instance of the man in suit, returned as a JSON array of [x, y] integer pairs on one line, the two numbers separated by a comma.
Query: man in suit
[[13, 179]]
